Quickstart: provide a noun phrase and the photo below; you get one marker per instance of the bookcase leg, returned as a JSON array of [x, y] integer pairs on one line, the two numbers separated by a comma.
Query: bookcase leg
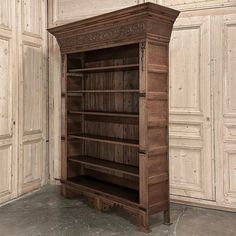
[[144, 223], [167, 217]]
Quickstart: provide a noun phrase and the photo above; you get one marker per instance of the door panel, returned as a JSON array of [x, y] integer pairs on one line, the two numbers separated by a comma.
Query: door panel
[[32, 95], [191, 165], [6, 8], [32, 90], [8, 103], [225, 122], [32, 17], [32, 164], [5, 88]]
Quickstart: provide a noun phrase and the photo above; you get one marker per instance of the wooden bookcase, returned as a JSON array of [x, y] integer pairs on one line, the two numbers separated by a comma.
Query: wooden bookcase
[[115, 110]]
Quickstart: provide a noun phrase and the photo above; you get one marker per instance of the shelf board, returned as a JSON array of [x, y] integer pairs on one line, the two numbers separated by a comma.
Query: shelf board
[[105, 91], [102, 187], [74, 74], [107, 165], [116, 114], [106, 68], [105, 139]]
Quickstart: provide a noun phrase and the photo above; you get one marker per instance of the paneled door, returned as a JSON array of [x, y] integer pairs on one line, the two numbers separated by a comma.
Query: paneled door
[[32, 95], [8, 102], [225, 112], [191, 154]]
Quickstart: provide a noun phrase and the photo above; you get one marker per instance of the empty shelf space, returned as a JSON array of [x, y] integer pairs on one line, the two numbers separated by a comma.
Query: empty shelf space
[[127, 115], [106, 68], [102, 187], [104, 91], [104, 139], [104, 164]]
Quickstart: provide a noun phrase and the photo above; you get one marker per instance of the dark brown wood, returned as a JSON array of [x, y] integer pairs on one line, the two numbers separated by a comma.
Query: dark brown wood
[[105, 139], [115, 110], [103, 164], [106, 68]]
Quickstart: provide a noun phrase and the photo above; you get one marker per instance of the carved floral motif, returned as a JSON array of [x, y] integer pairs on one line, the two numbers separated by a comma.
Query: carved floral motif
[[115, 33]]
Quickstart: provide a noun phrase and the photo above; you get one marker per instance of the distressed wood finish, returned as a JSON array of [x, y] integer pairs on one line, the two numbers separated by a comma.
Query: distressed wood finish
[[23, 97], [32, 51], [8, 115], [115, 110]]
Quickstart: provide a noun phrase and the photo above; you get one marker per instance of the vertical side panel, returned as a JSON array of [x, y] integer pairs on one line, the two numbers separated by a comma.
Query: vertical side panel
[[143, 190], [157, 127], [64, 119]]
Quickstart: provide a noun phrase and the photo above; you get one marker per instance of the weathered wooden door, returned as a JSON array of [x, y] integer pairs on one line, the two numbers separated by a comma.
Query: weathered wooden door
[[23, 97], [32, 95], [8, 102], [225, 107], [191, 155]]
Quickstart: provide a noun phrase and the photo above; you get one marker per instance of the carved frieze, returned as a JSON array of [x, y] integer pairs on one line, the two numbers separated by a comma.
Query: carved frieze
[[114, 33]]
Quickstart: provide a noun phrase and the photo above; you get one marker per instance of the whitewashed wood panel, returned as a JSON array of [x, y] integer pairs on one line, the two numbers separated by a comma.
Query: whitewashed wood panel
[[230, 63], [229, 108], [191, 166], [5, 170], [8, 103], [32, 17], [225, 123], [5, 87], [5, 13], [32, 88], [68, 10], [32, 37], [194, 5], [185, 69], [32, 165], [188, 174]]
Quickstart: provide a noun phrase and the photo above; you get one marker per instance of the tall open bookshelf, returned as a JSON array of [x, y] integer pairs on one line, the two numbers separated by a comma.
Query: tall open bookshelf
[[115, 110]]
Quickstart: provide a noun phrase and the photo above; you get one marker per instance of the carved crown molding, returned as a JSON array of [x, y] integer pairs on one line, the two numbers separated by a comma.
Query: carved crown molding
[[114, 33]]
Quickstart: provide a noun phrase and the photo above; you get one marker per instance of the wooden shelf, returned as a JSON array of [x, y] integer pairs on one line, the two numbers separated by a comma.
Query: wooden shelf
[[107, 165], [74, 74], [116, 114], [104, 139], [106, 68], [102, 187], [105, 91]]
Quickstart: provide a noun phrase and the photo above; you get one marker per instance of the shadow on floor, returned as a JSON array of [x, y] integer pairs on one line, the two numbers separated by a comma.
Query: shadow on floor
[[46, 213]]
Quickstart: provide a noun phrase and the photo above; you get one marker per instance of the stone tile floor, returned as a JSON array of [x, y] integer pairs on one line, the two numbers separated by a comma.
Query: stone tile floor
[[46, 213]]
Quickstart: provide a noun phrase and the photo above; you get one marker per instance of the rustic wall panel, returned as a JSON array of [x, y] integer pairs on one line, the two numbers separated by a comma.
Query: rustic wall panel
[[190, 105], [32, 17], [32, 165], [6, 86], [5, 170], [65, 10], [32, 81], [8, 103], [23, 97], [5, 16], [225, 62], [33, 169]]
